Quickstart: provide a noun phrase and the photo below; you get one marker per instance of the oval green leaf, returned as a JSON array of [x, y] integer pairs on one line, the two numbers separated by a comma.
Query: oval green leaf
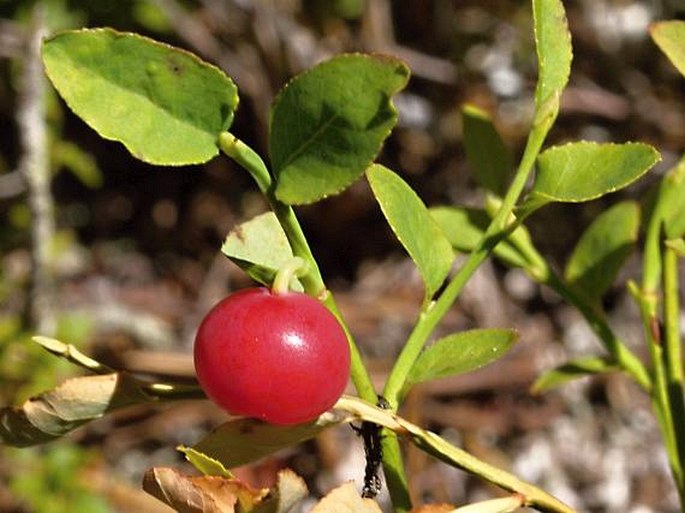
[[460, 353], [584, 171], [574, 369], [208, 466], [465, 227], [260, 247], [486, 152], [413, 225], [164, 104], [242, 441], [328, 124], [602, 250], [554, 51], [670, 37]]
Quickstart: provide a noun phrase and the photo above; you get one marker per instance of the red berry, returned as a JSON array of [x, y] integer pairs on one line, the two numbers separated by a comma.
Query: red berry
[[282, 358]]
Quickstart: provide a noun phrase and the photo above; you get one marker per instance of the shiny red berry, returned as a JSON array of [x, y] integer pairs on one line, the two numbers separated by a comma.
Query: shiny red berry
[[279, 357]]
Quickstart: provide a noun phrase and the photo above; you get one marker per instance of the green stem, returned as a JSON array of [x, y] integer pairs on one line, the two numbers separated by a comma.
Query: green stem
[[499, 228], [295, 267], [674, 361], [312, 282], [541, 272], [648, 302], [434, 312], [674, 358], [173, 392]]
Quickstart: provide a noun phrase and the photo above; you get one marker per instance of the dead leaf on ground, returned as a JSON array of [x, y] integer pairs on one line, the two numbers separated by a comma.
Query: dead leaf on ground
[[203, 494], [345, 499], [434, 508]]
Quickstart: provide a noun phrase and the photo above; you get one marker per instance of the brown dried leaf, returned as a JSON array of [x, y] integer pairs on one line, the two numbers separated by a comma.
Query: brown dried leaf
[[71, 404], [345, 499], [290, 489], [203, 494], [434, 508]]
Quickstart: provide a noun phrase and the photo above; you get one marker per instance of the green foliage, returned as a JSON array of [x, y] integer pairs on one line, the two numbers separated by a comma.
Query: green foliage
[[242, 441], [489, 157], [583, 171], [328, 124], [553, 46], [602, 251], [327, 127], [465, 227], [460, 353], [670, 37], [142, 93], [208, 466], [671, 205], [413, 225], [260, 247], [52, 479], [578, 368]]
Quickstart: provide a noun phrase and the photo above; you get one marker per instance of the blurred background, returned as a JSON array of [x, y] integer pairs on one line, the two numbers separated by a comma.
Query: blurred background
[[128, 254]]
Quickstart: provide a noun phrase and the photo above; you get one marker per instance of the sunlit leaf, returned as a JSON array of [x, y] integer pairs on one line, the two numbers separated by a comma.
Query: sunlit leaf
[[677, 245], [164, 104], [574, 369], [670, 37], [602, 250], [583, 171], [73, 403], [413, 225], [242, 441], [487, 154], [553, 46], [460, 353], [328, 124], [208, 466], [464, 228], [260, 247], [671, 204]]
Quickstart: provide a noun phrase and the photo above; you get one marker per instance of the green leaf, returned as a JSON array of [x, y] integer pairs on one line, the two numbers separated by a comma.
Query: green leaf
[[208, 466], [328, 124], [602, 250], [584, 171], [244, 440], [164, 104], [670, 37], [487, 154], [671, 204], [461, 353], [574, 369], [260, 247], [554, 51], [413, 225], [677, 245], [464, 227]]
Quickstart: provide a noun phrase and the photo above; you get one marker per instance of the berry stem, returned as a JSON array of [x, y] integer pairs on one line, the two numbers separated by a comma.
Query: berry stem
[[296, 267]]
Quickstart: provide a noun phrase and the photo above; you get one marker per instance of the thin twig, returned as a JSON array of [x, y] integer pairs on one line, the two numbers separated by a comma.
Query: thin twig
[[35, 166]]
